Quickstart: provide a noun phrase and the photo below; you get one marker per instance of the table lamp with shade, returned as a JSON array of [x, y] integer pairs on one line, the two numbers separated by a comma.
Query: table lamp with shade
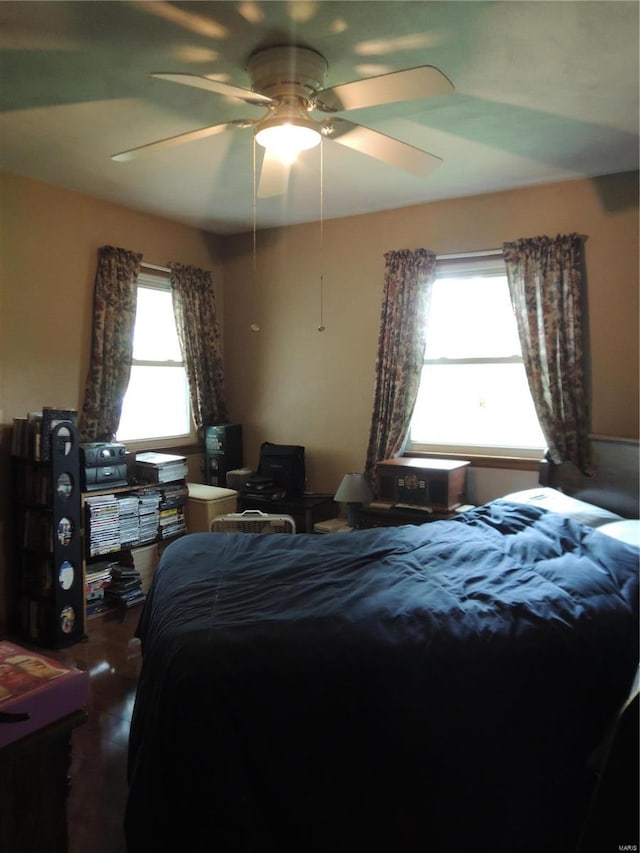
[[354, 492]]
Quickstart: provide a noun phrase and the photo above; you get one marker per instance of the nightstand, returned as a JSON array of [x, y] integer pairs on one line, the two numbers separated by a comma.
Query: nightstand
[[306, 510], [380, 514]]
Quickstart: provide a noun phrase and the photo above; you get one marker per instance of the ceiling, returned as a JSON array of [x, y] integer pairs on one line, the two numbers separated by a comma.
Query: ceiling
[[544, 92]]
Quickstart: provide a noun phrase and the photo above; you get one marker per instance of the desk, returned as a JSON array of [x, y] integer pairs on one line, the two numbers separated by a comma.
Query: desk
[[305, 510], [34, 783]]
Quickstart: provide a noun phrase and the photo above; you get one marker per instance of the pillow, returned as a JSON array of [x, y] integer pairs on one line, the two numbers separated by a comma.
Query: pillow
[[625, 531], [555, 501]]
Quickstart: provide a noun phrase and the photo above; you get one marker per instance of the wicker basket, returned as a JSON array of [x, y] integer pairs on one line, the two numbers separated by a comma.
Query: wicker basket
[[253, 521]]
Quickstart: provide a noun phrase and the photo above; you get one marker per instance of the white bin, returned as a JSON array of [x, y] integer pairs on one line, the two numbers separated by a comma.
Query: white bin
[[205, 503]]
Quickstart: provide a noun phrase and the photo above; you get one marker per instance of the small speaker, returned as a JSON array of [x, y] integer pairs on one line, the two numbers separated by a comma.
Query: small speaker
[[223, 452]]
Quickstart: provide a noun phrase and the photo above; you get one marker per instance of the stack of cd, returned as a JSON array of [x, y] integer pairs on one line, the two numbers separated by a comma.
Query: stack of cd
[[148, 515], [129, 523], [103, 524]]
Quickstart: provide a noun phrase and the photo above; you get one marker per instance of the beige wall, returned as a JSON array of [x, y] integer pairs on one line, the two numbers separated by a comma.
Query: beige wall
[[291, 383], [49, 238]]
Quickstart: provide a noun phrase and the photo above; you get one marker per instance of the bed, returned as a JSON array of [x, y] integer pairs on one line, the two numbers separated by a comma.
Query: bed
[[442, 687]]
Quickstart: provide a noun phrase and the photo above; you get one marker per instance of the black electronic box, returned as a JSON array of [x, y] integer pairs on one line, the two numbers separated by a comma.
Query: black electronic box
[[103, 465], [285, 465], [223, 452]]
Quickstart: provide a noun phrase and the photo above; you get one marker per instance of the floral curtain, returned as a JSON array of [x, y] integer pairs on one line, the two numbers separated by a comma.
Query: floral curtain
[[546, 282], [409, 279], [199, 335], [114, 313]]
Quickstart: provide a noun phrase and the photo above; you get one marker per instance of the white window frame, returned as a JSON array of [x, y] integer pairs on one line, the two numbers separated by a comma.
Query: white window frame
[[160, 281], [488, 263]]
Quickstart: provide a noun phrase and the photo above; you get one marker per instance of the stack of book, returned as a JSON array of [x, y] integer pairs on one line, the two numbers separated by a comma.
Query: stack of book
[[33, 484], [160, 467], [38, 535], [125, 589], [26, 436], [27, 440], [97, 580]]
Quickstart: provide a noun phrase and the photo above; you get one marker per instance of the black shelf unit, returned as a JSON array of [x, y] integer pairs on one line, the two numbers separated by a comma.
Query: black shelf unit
[[48, 582]]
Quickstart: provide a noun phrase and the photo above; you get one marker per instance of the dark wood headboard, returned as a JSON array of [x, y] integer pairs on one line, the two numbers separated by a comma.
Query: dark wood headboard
[[615, 483]]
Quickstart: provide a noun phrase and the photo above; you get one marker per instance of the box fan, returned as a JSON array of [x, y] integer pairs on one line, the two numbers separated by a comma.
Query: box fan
[[253, 521]]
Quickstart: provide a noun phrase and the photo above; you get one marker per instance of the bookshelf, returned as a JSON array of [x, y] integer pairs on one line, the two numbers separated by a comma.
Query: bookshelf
[[79, 554], [47, 578], [125, 530]]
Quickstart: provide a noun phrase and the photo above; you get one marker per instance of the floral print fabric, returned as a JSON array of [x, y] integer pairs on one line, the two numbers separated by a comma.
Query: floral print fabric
[[199, 335], [114, 313], [546, 283], [409, 278]]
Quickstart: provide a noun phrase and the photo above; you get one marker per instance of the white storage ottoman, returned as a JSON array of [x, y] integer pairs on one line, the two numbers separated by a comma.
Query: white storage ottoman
[[205, 503]]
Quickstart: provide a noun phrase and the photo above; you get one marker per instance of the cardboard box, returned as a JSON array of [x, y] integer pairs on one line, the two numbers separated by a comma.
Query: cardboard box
[[35, 691]]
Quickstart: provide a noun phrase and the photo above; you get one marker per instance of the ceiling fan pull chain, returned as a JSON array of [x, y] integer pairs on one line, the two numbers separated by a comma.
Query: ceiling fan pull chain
[[254, 326], [321, 327]]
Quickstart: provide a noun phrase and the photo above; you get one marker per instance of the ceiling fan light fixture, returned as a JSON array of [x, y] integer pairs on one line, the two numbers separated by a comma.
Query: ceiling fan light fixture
[[288, 80], [285, 139]]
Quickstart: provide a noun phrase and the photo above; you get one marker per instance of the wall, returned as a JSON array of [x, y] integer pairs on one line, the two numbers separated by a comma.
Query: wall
[[48, 252], [291, 383]]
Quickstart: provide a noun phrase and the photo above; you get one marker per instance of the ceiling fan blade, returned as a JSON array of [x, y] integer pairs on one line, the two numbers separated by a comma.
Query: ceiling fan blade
[[274, 176], [408, 85], [382, 147], [211, 85], [180, 139]]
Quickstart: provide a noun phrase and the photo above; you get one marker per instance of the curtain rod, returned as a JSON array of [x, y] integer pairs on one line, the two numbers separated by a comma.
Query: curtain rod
[[155, 267], [458, 256]]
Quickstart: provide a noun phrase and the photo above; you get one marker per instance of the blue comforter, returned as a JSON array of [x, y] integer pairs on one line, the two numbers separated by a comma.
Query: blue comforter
[[431, 688]]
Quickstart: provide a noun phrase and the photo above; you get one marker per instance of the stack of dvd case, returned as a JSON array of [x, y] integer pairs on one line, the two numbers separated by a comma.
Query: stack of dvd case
[[125, 589], [103, 524], [128, 520], [148, 515], [172, 516]]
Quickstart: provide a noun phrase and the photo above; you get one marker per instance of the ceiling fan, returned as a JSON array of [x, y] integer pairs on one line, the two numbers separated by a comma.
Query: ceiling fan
[[288, 82]]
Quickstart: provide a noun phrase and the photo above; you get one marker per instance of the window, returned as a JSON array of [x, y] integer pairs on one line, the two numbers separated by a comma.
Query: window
[[473, 394], [156, 405]]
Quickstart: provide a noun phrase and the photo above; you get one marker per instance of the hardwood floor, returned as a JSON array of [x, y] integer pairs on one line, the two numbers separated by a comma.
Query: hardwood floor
[[98, 793], [111, 655]]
